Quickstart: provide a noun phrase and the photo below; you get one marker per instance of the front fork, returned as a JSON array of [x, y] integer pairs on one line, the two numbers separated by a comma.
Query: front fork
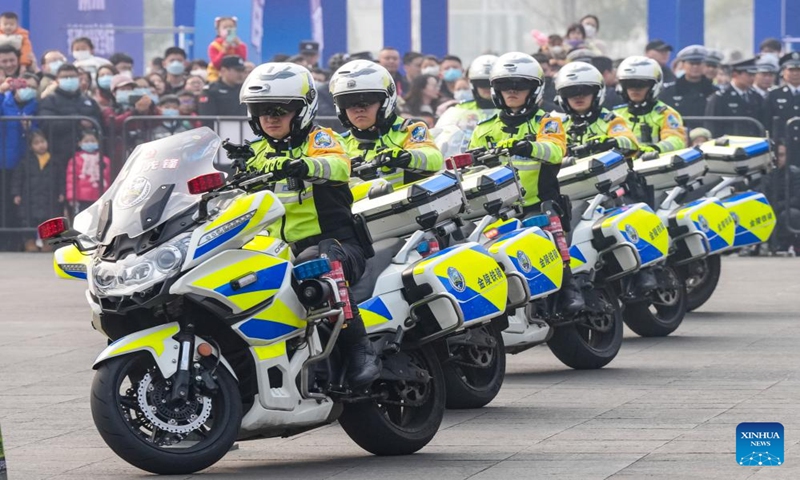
[[189, 370]]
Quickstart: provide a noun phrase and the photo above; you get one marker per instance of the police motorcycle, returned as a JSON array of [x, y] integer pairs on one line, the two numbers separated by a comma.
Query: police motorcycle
[[655, 302], [735, 164], [529, 251], [216, 336], [473, 361]]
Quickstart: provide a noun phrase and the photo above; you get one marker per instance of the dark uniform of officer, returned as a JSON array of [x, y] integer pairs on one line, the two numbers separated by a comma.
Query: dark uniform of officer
[[689, 93], [738, 100], [783, 103], [221, 98]]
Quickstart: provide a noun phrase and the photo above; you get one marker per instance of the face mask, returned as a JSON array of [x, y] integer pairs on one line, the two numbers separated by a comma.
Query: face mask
[[104, 81], [170, 112], [200, 73], [69, 84], [432, 70], [26, 94], [146, 92], [81, 54], [452, 74], [463, 95], [126, 73], [90, 147], [54, 66], [575, 43], [557, 50], [590, 30], [123, 96], [176, 68]]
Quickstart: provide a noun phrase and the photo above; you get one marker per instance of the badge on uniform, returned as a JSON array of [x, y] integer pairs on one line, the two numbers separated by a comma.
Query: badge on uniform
[[618, 128], [672, 121], [322, 140], [419, 134], [551, 127]]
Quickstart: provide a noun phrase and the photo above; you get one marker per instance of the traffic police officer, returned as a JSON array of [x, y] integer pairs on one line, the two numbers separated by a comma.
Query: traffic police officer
[[689, 93], [478, 75], [784, 103], [222, 97], [739, 100], [281, 101], [365, 96]]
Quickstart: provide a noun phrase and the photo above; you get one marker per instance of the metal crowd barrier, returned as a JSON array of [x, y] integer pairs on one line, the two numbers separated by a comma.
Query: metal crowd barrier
[[31, 192]]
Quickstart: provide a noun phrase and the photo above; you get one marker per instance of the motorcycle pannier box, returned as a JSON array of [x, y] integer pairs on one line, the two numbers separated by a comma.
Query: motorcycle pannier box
[[628, 232], [405, 210], [468, 275], [700, 227], [737, 155], [601, 172], [532, 253], [672, 169], [753, 217], [486, 186]]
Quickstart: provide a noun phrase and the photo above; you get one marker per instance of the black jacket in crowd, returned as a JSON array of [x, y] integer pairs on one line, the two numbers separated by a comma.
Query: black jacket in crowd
[[729, 103], [62, 135], [780, 106], [221, 99], [688, 98], [39, 189]]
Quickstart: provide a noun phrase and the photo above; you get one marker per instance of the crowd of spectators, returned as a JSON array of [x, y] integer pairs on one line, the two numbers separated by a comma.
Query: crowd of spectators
[[50, 166]]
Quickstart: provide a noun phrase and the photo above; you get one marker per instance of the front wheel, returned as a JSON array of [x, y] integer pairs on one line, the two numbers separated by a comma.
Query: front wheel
[[663, 310], [701, 278], [476, 369], [135, 416], [407, 416], [595, 339]]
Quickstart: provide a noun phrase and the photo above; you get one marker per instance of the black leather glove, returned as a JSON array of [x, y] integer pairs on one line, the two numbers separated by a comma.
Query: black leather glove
[[396, 158], [296, 168]]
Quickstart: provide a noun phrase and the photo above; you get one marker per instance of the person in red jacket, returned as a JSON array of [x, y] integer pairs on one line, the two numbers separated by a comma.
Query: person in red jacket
[[226, 43], [88, 173]]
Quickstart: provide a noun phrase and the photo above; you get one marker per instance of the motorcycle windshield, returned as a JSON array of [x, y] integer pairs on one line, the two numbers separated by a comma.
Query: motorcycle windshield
[[152, 186], [453, 131]]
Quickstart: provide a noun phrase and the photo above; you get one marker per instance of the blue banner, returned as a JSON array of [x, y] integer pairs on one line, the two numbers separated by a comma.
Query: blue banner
[[54, 25]]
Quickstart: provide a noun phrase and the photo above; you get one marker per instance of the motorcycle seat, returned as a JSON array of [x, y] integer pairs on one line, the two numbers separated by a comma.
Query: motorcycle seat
[[384, 251]]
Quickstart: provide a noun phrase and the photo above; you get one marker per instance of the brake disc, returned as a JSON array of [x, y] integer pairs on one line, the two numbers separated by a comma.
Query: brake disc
[[152, 399]]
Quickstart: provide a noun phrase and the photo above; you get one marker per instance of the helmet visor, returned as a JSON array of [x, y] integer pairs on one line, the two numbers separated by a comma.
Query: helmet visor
[[503, 84], [578, 91], [480, 83], [358, 99], [274, 109], [636, 83]]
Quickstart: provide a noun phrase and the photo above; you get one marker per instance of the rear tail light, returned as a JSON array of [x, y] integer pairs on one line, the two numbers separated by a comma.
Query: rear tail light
[[53, 228], [206, 183]]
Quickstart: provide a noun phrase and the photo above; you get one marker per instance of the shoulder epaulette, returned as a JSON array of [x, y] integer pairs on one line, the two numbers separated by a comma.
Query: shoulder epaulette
[[488, 119], [346, 134], [607, 115], [622, 105], [661, 108]]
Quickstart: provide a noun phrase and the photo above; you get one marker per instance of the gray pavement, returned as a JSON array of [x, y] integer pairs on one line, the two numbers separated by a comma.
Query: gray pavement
[[664, 408]]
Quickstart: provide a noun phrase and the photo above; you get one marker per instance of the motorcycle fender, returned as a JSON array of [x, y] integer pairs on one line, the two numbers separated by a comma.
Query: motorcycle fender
[[159, 343]]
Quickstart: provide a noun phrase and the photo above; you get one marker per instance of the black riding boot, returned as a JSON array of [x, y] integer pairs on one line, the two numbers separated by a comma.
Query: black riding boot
[[572, 300], [364, 364]]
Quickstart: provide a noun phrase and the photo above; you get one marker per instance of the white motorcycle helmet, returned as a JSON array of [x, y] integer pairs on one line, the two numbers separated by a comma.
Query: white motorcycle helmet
[[364, 82], [479, 72], [580, 78], [517, 70], [275, 87], [635, 70]]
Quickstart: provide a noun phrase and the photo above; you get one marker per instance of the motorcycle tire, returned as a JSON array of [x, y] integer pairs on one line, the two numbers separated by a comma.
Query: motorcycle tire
[[125, 437], [471, 386], [391, 429], [582, 348], [700, 292], [667, 317]]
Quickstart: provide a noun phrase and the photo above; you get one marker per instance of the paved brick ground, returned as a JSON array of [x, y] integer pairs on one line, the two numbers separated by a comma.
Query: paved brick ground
[[665, 408]]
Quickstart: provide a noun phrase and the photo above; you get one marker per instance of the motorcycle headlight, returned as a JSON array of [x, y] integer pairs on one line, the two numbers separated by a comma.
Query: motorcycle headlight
[[138, 273]]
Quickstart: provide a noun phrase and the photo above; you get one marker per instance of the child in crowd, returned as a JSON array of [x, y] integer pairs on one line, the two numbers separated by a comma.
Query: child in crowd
[[38, 188], [169, 106], [19, 38], [226, 43], [88, 175]]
